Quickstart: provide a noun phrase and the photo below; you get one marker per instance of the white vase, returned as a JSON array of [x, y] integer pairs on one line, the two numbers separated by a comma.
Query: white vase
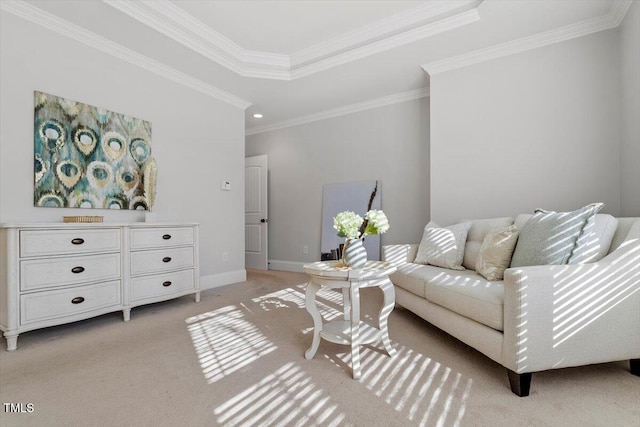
[[355, 254]]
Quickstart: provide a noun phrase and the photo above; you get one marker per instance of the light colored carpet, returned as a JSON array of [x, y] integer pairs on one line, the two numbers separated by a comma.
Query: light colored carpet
[[236, 359]]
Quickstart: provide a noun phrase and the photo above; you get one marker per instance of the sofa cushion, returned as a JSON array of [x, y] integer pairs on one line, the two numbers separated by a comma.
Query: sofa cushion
[[443, 246], [477, 232], [625, 226], [468, 294], [496, 251], [411, 277], [551, 238], [599, 242], [463, 292], [521, 220]]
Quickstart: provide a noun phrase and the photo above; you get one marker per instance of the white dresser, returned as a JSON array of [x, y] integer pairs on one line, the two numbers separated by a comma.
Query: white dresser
[[58, 273]]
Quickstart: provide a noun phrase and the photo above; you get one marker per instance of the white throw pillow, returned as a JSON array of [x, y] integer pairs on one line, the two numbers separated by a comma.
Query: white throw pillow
[[443, 246], [496, 251]]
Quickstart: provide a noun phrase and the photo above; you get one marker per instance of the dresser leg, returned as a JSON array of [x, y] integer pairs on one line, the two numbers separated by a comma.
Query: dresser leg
[[12, 340], [198, 296], [126, 314]]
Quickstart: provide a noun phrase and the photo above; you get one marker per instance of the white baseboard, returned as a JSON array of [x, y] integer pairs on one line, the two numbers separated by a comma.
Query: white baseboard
[[286, 265], [222, 279]]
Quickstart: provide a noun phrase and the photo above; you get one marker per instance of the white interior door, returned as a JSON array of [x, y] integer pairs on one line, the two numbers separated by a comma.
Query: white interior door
[[255, 212]]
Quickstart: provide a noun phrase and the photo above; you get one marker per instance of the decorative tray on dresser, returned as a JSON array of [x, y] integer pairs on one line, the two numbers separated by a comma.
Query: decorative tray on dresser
[[52, 274]]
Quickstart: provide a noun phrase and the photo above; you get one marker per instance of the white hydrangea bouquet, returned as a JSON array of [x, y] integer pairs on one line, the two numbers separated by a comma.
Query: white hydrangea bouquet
[[350, 225], [353, 228]]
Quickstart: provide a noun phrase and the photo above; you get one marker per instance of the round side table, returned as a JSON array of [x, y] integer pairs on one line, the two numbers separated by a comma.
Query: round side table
[[350, 331]]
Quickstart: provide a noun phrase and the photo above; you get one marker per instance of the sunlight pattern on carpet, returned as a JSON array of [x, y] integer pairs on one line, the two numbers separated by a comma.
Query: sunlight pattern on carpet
[[423, 390], [226, 342], [328, 301], [288, 396]]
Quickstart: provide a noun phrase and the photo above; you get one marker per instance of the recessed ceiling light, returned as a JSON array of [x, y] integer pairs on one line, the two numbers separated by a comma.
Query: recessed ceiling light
[[257, 116]]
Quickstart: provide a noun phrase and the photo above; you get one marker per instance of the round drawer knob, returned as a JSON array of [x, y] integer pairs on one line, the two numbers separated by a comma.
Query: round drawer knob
[[77, 270], [166, 236], [77, 300], [166, 259], [77, 241], [167, 283]]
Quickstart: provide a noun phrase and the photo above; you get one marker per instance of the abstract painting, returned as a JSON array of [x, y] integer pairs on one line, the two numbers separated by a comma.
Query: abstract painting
[[89, 157]]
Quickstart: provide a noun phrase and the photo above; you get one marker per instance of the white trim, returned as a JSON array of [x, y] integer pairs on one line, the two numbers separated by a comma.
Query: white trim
[[185, 26], [222, 279], [397, 30], [286, 265], [583, 28], [387, 43], [172, 21], [341, 111], [51, 22], [619, 9], [393, 25]]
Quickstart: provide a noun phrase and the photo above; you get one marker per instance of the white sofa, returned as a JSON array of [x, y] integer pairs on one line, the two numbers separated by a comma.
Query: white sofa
[[539, 317]]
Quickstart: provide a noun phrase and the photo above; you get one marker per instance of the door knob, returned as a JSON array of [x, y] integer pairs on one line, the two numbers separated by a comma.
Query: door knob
[[264, 220]]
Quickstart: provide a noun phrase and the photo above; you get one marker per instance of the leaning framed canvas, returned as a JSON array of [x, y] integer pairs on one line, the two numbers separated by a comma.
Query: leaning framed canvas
[[89, 157]]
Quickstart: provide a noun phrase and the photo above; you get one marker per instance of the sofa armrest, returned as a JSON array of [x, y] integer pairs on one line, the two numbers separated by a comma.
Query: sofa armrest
[[399, 254], [570, 315]]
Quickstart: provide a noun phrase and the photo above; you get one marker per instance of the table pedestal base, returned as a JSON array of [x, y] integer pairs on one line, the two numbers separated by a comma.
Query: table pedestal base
[[351, 331]]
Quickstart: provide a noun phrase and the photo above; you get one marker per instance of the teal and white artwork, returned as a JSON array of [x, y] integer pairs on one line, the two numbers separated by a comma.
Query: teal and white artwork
[[89, 157]]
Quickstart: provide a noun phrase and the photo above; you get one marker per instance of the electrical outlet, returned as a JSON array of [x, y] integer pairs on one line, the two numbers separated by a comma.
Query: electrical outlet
[[305, 249], [225, 256]]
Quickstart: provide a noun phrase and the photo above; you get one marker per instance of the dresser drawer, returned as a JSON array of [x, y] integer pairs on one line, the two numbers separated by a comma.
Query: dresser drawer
[[162, 284], [147, 238], [40, 306], [63, 242], [52, 272], [156, 261]]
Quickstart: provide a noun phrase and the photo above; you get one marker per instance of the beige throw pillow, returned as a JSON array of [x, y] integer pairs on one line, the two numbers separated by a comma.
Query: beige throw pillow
[[443, 246], [496, 251]]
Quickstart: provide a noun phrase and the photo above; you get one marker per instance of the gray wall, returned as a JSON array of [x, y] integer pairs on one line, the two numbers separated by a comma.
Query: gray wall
[[196, 140], [539, 129], [389, 143], [630, 143]]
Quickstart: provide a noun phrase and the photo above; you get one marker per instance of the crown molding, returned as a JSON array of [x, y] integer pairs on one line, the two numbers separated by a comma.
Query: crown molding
[[619, 9], [414, 24], [51, 22], [388, 28], [341, 111], [389, 43], [605, 22], [172, 21], [182, 23]]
